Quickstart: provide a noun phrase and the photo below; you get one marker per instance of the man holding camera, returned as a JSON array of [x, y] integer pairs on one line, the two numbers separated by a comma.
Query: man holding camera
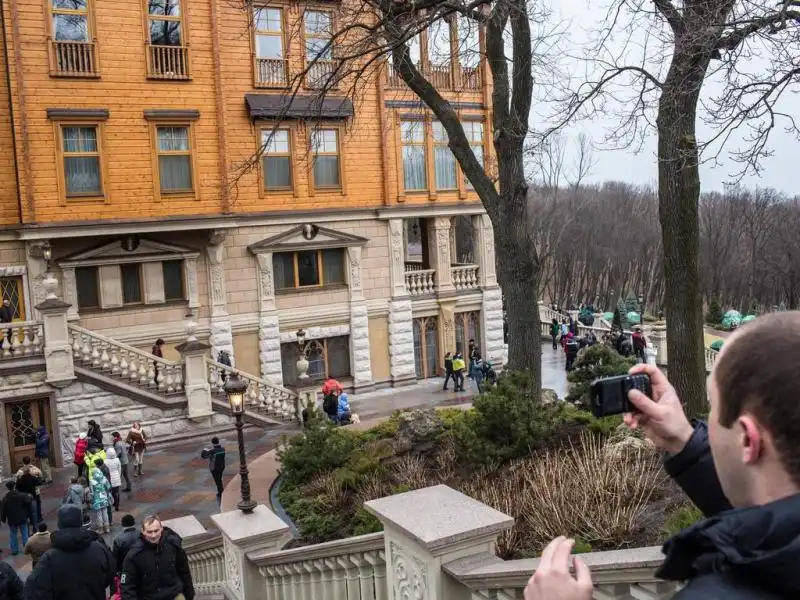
[[746, 457]]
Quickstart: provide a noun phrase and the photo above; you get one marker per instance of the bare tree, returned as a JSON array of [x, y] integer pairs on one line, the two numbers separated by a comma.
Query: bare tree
[[684, 44]]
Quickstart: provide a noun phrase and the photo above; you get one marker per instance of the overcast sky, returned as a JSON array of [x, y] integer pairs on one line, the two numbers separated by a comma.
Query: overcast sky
[[640, 167]]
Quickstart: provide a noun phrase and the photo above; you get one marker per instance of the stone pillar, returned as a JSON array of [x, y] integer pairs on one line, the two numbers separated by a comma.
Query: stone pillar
[[447, 329], [658, 338], [439, 253], [401, 332], [260, 530], [37, 268], [60, 368], [421, 536], [195, 373], [192, 293], [360, 359], [70, 287], [483, 249], [221, 337], [269, 339]]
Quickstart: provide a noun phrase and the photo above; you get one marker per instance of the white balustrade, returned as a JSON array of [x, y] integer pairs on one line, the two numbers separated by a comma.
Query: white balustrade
[[711, 358], [261, 396], [465, 277], [21, 338], [207, 564], [421, 282], [349, 569], [125, 362]]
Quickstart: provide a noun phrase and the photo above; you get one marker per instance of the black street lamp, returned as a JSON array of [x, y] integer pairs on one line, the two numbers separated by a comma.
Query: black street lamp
[[235, 389]]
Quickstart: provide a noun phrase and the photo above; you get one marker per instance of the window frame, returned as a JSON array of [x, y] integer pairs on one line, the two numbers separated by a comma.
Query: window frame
[[181, 262], [140, 272], [313, 155], [320, 269], [323, 344], [445, 144], [283, 9], [341, 189], [51, 11], [307, 61], [98, 296], [19, 283], [159, 195], [473, 120], [182, 19], [64, 197], [293, 188], [400, 159]]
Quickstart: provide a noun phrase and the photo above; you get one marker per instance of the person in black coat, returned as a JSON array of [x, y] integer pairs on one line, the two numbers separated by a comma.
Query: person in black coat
[[748, 488], [216, 463], [94, 433], [15, 510], [10, 583], [125, 540], [156, 567], [79, 567]]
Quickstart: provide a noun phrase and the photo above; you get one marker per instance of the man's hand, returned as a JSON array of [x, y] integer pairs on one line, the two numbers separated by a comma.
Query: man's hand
[[553, 579], [661, 418]]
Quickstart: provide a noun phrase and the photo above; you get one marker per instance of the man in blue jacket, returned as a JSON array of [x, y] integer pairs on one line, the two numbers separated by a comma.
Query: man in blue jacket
[[742, 469], [42, 452]]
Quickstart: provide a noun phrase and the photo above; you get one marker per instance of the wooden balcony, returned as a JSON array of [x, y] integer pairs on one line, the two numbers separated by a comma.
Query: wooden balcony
[[73, 59], [271, 72], [441, 77], [320, 73], [471, 78], [168, 62]]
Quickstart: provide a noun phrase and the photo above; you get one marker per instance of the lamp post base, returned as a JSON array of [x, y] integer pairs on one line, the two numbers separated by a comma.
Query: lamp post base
[[247, 506]]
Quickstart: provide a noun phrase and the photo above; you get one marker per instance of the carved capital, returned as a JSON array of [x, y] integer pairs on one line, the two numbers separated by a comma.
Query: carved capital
[[266, 281], [217, 236]]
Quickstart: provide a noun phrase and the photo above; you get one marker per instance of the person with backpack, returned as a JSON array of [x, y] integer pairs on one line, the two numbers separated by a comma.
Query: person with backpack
[[29, 480], [571, 348], [343, 409], [216, 463], [330, 405], [555, 329], [75, 494], [476, 371]]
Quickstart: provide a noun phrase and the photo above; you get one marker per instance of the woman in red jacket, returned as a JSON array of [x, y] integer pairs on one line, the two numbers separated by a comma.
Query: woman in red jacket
[[80, 453]]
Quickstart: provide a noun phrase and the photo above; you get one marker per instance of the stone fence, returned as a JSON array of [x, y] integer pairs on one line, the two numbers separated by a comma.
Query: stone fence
[[437, 544]]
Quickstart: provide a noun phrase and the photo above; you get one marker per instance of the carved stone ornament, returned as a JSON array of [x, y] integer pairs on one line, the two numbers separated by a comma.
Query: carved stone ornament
[[355, 271], [217, 236], [395, 228], [265, 275], [233, 567], [410, 575], [217, 284]]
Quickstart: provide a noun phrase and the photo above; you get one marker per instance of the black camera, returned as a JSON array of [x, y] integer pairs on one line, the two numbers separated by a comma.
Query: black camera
[[610, 394]]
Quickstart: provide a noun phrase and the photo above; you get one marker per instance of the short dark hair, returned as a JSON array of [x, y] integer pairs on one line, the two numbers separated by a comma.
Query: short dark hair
[[128, 521], [10, 484], [159, 342], [215, 440], [471, 341], [115, 434], [41, 527], [757, 372], [26, 460]]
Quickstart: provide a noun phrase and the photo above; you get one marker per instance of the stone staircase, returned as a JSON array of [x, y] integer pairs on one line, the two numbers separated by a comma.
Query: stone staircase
[[120, 368]]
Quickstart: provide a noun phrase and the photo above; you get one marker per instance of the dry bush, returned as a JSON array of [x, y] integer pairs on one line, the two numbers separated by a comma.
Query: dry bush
[[410, 471], [445, 459], [587, 492], [319, 485], [372, 488]]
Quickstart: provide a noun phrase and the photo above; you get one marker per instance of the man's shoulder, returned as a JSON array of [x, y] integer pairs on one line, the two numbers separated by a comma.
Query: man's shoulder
[[722, 586]]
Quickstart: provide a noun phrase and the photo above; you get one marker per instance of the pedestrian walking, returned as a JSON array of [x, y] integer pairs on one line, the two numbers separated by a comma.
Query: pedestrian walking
[[29, 480], [79, 567], [101, 489], [38, 543], [216, 463], [115, 474], [555, 329], [458, 372], [476, 371], [121, 448], [79, 456], [448, 371], [157, 351], [156, 566], [15, 510], [137, 441], [42, 453], [75, 493], [10, 583]]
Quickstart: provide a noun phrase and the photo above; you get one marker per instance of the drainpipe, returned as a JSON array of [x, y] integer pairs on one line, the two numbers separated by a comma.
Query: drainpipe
[[11, 112]]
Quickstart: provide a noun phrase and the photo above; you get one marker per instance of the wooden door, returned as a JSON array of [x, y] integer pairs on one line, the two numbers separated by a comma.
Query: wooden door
[[22, 420], [426, 347]]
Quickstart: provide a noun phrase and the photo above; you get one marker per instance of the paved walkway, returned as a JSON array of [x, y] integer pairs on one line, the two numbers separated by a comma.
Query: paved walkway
[[176, 481]]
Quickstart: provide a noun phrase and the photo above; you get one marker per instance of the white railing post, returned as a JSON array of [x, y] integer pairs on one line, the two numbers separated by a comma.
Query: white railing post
[[246, 532], [428, 528], [57, 347], [196, 385], [658, 338]]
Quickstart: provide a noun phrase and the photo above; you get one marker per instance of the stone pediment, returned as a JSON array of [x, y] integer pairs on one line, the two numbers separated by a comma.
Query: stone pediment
[[307, 237], [114, 252]]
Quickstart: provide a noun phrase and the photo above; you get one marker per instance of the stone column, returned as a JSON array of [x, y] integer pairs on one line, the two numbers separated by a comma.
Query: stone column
[[60, 369], [492, 310], [447, 329], [195, 373], [401, 332], [192, 294], [360, 359], [421, 536], [658, 338], [70, 287], [269, 338], [439, 251], [260, 530], [221, 337], [37, 267]]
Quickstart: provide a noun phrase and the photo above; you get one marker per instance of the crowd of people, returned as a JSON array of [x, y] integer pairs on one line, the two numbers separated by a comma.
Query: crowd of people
[[457, 369], [565, 335]]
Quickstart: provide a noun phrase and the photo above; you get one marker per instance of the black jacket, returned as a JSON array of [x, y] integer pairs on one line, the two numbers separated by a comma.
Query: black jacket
[[157, 572], [79, 567], [15, 508], [10, 583], [122, 545], [216, 458], [735, 554], [6, 314], [448, 365]]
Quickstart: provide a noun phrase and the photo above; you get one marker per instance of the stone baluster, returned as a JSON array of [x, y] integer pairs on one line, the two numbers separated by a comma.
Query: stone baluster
[[421, 535]]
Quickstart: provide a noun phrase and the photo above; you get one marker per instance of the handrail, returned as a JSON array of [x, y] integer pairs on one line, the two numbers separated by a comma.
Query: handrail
[[250, 377], [351, 545], [26, 339], [123, 346]]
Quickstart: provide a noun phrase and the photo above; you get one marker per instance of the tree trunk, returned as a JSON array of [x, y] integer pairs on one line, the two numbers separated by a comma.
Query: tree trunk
[[678, 198]]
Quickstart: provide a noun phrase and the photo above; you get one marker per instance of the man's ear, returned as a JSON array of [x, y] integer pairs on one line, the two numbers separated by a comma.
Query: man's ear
[[752, 438]]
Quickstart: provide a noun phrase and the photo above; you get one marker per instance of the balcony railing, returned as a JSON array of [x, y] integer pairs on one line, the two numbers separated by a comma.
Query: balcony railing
[[271, 72], [421, 283], [440, 77], [168, 62], [73, 59], [321, 74], [20, 338], [465, 277], [471, 78]]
